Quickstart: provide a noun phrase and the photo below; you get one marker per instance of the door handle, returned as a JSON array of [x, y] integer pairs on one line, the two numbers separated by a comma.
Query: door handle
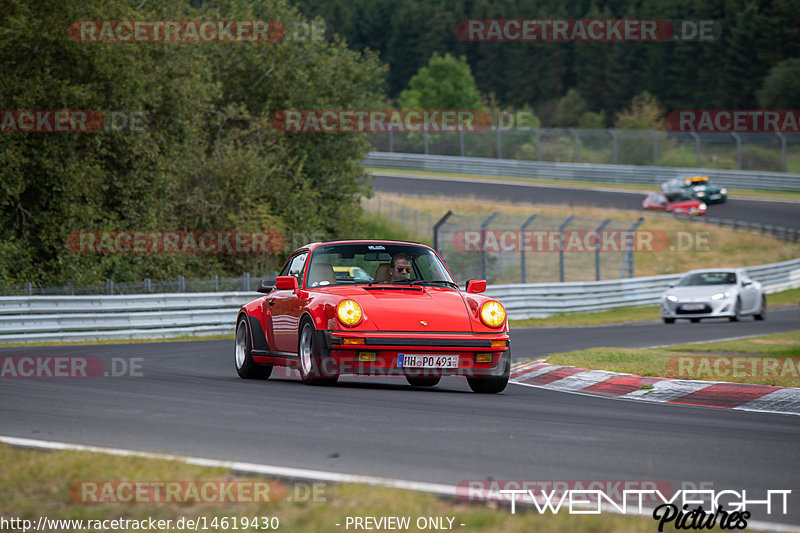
[[272, 302]]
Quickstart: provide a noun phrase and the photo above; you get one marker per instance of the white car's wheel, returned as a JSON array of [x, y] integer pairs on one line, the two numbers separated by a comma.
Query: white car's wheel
[[762, 311], [737, 311]]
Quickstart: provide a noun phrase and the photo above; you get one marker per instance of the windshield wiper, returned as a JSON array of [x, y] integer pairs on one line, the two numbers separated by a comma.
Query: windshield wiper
[[403, 282], [435, 282]]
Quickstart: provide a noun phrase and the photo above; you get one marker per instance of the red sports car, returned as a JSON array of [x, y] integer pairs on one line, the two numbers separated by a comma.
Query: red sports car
[[674, 202], [408, 319]]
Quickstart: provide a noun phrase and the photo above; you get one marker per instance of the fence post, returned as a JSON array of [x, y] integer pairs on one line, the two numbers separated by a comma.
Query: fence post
[[696, 138], [484, 261], [522, 248], [614, 144], [738, 140], [147, 285], [70, 289], [629, 253], [499, 140], [109, 286], [246, 282], [436, 231], [783, 150], [574, 136], [426, 142], [561, 246], [597, 248], [538, 144], [461, 141], [391, 141], [181, 284], [215, 277], [655, 147], [28, 288]]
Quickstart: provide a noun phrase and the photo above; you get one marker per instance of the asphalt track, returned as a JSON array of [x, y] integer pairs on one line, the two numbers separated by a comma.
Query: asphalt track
[[759, 211], [188, 400]]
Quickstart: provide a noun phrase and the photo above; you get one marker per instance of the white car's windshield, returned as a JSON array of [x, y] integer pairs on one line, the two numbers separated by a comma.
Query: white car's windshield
[[372, 263], [708, 278]]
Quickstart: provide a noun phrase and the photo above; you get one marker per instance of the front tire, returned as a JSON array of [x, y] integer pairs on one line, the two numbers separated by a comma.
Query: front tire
[[423, 382], [762, 312], [492, 384], [668, 320], [313, 366], [737, 311], [243, 357], [694, 320]]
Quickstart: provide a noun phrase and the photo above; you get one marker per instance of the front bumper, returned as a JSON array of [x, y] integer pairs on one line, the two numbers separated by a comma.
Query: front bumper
[[710, 309], [386, 348]]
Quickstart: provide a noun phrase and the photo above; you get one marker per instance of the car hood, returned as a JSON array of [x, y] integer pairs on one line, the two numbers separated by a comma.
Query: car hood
[[688, 204], [709, 188], [697, 292], [388, 308]]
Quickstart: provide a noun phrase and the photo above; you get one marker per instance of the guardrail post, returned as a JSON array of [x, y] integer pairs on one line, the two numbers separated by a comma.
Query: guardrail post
[[246, 282], [484, 260], [436, 231], [738, 140], [628, 261], [613, 144], [696, 138], [561, 247], [146, 284], [655, 147], [600, 228], [575, 137], [783, 150], [109, 286], [181, 284], [522, 248]]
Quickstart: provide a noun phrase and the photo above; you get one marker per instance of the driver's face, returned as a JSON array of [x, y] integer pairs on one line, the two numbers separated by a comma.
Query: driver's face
[[401, 270]]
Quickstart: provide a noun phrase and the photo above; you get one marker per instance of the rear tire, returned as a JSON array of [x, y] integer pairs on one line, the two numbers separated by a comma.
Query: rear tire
[[423, 382], [315, 369], [492, 384], [762, 312], [668, 320], [242, 355], [694, 320]]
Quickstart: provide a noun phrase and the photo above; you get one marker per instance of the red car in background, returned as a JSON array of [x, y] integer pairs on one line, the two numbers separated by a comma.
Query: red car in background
[[407, 319], [679, 203]]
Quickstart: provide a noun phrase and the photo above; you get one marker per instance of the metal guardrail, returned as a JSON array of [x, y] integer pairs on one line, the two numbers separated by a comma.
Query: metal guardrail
[[741, 179], [80, 318]]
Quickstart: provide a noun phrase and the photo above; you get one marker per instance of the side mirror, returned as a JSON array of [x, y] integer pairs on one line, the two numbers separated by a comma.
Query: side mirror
[[671, 285], [265, 287], [286, 283], [476, 286], [746, 283]]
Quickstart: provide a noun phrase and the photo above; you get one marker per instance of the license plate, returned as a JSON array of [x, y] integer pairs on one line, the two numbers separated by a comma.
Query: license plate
[[427, 361], [692, 307], [715, 196]]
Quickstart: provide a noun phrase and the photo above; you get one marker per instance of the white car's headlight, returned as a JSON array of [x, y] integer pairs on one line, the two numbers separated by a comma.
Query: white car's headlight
[[672, 298], [718, 296]]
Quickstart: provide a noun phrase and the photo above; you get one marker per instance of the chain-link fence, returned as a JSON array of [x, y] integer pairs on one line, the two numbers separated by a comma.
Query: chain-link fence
[[505, 248], [779, 152]]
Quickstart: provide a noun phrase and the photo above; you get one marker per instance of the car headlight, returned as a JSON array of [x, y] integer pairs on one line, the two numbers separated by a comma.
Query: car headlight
[[701, 194], [349, 312], [703, 206], [672, 298], [723, 191], [718, 296], [493, 314]]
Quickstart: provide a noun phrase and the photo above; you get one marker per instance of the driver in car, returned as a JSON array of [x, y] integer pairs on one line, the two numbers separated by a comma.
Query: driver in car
[[400, 269]]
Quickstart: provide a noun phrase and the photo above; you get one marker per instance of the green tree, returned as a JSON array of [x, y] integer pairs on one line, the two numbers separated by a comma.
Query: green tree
[[781, 87], [570, 109], [445, 83], [644, 113]]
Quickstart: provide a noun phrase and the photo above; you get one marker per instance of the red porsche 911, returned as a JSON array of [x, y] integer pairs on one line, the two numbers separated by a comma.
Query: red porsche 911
[[405, 317], [674, 202]]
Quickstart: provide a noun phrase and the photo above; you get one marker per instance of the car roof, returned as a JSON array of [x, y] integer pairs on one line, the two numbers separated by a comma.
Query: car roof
[[723, 269], [311, 246]]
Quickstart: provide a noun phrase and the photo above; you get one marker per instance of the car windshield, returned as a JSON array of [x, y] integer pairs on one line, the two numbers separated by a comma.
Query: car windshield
[[371, 263], [677, 197], [708, 278]]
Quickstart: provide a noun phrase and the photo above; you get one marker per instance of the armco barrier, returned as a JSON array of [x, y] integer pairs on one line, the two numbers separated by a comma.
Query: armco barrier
[[648, 175], [80, 318]]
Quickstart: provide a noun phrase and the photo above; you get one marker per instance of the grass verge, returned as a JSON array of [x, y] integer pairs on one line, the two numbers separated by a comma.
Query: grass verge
[[791, 196], [37, 484], [766, 360]]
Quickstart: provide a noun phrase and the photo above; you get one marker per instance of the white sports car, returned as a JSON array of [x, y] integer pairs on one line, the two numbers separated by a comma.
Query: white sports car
[[714, 293]]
